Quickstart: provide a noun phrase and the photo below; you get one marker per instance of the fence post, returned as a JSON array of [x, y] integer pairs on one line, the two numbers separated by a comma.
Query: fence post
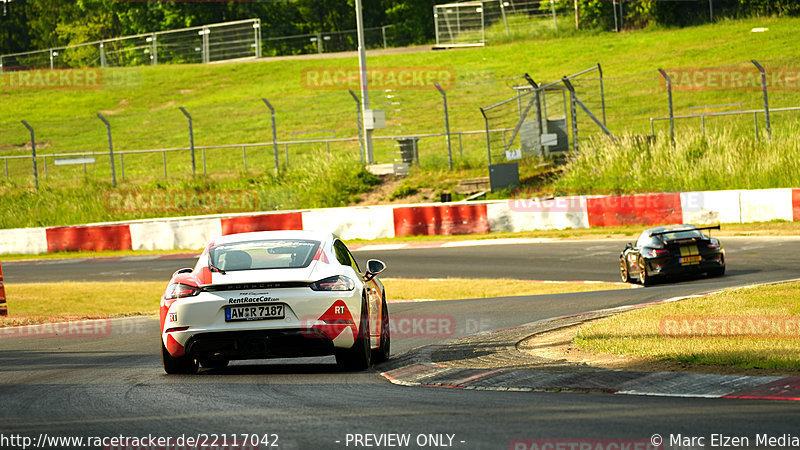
[[191, 137], [274, 133], [110, 149], [602, 93], [383, 33], [766, 100], [446, 125], [573, 111], [360, 126], [205, 49], [257, 28], [33, 152], [553, 10], [488, 138], [505, 20], [671, 110], [103, 62], [154, 52]]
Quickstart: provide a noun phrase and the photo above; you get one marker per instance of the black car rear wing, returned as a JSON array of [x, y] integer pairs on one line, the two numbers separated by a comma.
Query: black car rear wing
[[660, 233]]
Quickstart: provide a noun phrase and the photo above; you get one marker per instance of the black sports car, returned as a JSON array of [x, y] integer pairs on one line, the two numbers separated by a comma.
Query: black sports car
[[672, 250]]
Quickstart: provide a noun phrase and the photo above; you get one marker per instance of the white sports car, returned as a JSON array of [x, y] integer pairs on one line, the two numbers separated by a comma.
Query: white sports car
[[274, 294]]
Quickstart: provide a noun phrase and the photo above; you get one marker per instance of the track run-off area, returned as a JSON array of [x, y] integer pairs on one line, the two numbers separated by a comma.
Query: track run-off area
[[111, 384]]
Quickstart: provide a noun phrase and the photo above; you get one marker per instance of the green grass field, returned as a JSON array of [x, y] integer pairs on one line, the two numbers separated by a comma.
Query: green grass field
[[224, 99], [746, 328]]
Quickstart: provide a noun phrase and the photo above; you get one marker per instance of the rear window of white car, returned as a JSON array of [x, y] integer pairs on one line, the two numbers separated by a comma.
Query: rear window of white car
[[265, 254]]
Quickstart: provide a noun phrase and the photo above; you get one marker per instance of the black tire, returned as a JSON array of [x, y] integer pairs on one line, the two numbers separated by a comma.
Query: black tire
[[717, 272], [181, 365], [359, 356], [214, 363], [382, 353], [623, 270], [643, 277]]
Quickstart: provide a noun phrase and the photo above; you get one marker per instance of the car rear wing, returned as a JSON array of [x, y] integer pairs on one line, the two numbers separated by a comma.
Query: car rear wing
[[660, 233]]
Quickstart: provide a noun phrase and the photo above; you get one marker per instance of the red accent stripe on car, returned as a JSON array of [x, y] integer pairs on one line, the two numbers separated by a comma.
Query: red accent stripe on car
[[262, 222], [321, 256], [336, 319], [642, 209], [88, 238], [441, 220], [796, 204], [173, 347]]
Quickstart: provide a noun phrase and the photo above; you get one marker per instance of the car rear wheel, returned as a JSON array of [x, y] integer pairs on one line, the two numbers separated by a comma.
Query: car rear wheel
[[382, 354], [357, 357], [623, 270], [179, 365], [643, 277]]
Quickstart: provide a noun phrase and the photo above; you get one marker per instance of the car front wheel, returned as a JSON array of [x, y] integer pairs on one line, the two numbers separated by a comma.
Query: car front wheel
[[623, 270], [643, 277]]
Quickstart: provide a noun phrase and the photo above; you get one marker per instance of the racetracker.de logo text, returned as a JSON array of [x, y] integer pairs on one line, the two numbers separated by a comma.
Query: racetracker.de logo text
[[378, 78]]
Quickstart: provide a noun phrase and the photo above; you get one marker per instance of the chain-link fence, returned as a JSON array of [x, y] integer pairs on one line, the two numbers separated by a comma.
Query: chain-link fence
[[481, 21], [527, 117], [203, 44]]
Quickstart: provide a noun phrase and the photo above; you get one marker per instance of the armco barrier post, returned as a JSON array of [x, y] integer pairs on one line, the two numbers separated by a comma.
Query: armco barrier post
[[3, 306]]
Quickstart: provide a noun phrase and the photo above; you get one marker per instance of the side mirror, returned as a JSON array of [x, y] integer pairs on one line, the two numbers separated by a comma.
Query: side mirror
[[180, 271], [628, 245], [374, 267]]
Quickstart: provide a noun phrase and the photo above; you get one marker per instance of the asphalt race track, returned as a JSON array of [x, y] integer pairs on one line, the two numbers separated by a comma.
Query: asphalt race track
[[111, 384]]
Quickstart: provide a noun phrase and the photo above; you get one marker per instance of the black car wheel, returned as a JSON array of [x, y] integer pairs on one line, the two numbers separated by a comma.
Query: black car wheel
[[382, 354], [357, 357], [179, 365], [719, 271], [623, 270], [643, 277]]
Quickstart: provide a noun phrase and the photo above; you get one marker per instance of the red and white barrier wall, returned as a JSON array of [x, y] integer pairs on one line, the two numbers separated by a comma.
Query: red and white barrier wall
[[372, 222]]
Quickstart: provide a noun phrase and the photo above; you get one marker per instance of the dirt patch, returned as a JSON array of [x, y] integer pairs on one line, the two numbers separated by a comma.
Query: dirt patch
[[381, 194], [557, 346]]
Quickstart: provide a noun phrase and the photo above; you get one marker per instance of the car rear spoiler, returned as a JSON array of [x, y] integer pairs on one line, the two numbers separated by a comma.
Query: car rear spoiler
[[659, 233]]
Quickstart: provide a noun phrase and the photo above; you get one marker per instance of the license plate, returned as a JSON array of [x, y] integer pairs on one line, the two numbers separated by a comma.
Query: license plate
[[256, 312], [690, 259]]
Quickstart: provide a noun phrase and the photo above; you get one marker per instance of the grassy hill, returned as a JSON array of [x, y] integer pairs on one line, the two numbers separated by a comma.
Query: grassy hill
[[224, 100]]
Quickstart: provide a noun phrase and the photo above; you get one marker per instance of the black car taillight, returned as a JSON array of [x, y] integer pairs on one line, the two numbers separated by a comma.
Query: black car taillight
[[713, 245], [334, 283], [180, 290], [656, 252]]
